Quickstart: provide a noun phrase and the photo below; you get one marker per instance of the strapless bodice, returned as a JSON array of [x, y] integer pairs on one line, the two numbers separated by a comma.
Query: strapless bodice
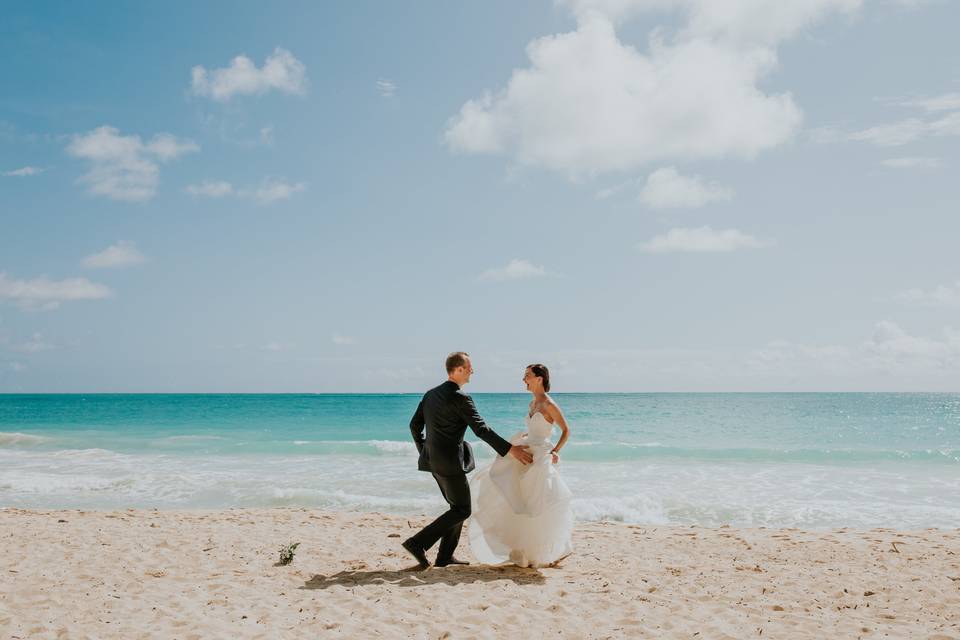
[[538, 429]]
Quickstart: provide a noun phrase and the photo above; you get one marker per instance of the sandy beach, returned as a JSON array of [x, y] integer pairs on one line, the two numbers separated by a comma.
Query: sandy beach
[[214, 574]]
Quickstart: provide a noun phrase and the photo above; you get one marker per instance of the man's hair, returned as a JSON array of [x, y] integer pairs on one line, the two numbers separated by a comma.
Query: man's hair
[[456, 359]]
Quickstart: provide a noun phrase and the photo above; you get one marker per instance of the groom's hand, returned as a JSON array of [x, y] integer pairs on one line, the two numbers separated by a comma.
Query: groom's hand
[[521, 453]]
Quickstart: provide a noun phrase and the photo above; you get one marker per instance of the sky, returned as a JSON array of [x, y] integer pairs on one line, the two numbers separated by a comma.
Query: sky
[[644, 195]]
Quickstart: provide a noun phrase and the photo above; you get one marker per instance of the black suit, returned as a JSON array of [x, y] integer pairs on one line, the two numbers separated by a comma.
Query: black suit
[[446, 412]]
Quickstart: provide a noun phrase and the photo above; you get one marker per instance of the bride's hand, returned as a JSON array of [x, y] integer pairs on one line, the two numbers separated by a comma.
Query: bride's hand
[[556, 457]]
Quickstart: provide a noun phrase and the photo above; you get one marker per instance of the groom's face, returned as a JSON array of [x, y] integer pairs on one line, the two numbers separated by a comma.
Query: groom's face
[[466, 371]]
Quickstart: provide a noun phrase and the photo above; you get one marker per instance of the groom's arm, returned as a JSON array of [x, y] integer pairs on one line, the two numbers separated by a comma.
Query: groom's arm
[[473, 419], [417, 424]]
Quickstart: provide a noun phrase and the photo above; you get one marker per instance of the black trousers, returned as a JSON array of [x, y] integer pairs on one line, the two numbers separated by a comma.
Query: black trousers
[[446, 528]]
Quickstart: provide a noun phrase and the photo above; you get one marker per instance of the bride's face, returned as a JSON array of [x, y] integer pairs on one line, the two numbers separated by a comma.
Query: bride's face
[[534, 383]]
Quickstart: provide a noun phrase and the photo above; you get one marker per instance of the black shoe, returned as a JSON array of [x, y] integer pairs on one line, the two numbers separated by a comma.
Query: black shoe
[[443, 563], [417, 551]]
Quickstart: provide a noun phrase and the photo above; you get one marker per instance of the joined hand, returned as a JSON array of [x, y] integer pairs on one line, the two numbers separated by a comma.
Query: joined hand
[[521, 453]]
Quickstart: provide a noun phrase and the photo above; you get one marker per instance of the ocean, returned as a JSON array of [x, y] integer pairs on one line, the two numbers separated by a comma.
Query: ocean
[[809, 460]]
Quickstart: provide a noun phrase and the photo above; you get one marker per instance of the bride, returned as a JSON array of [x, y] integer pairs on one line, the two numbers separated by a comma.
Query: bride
[[522, 513]]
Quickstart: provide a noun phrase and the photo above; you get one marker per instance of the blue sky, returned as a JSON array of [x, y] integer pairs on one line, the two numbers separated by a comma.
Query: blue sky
[[646, 195]]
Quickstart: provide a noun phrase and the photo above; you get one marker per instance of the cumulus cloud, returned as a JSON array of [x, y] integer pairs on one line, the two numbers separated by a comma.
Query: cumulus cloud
[[273, 190], [211, 189], [281, 71], [590, 103], [939, 296], [666, 188], [890, 347], [912, 163], [889, 350], [270, 190], [701, 240], [23, 172], [516, 269], [43, 293], [124, 167], [386, 88], [122, 254]]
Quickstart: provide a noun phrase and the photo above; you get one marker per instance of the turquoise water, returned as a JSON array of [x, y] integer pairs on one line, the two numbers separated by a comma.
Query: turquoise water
[[744, 459]]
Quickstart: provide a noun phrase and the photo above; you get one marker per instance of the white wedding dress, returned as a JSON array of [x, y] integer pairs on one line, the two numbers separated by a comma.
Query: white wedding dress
[[522, 513]]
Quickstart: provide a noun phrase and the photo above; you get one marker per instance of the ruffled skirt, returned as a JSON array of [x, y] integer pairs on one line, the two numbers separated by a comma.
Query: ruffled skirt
[[521, 514]]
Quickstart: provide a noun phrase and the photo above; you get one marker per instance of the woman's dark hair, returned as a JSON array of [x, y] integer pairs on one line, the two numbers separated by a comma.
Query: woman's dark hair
[[541, 371]]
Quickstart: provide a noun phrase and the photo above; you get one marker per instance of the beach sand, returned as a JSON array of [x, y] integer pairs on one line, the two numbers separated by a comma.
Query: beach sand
[[213, 574]]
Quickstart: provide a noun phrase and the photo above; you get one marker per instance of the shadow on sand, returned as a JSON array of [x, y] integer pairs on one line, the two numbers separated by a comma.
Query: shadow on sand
[[413, 578]]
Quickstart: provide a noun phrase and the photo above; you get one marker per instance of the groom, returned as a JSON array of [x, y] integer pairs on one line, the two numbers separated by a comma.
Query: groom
[[446, 412]]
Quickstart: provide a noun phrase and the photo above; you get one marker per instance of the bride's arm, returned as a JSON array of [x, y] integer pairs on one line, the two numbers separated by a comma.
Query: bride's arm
[[554, 412]]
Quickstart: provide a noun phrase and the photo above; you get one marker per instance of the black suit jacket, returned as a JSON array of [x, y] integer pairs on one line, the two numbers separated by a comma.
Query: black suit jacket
[[446, 412]]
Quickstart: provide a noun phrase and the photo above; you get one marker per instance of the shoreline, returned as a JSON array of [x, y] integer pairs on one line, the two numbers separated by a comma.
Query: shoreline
[[201, 573]]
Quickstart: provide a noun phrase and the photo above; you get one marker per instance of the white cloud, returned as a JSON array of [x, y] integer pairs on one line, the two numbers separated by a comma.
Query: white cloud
[[735, 20], [589, 103], [891, 347], [122, 254], [781, 355], [167, 147], [386, 88], [123, 167], [273, 190], [909, 130], [945, 102], [211, 189], [701, 240], [24, 171], [609, 192], [948, 125], [939, 296], [890, 351], [912, 163], [894, 134], [514, 270], [43, 293], [912, 4], [274, 346], [890, 358], [339, 339], [281, 71], [666, 188]]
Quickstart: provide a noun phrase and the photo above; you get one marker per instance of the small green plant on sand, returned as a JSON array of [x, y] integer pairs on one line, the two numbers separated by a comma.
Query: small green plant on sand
[[286, 552]]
